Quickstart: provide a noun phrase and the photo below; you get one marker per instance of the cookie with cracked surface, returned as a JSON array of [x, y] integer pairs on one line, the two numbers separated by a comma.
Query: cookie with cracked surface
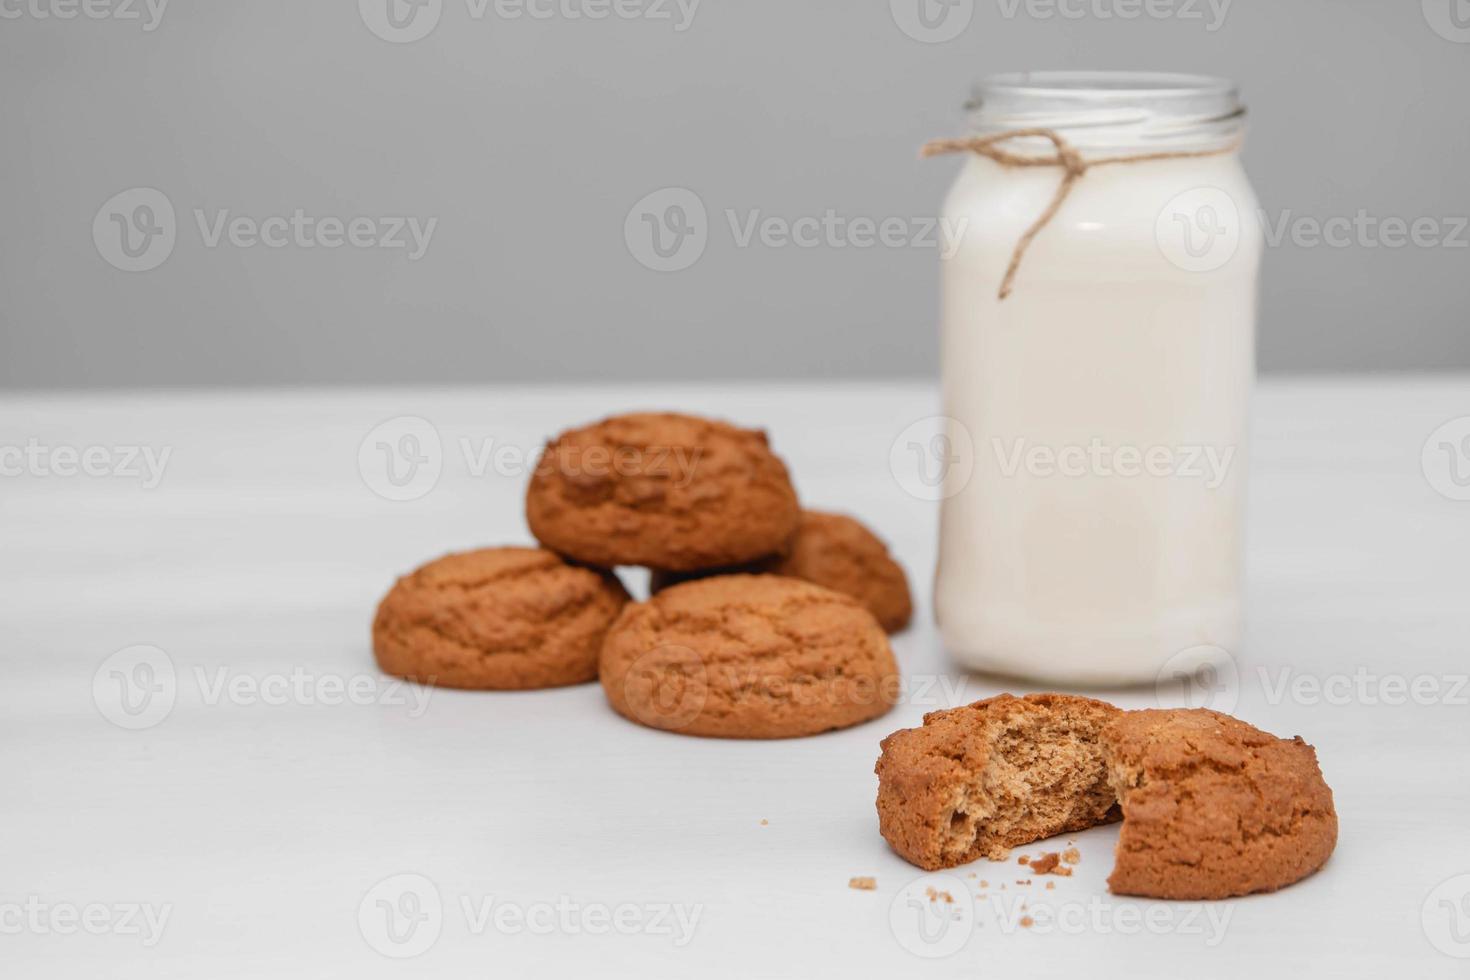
[[978, 780], [667, 491], [500, 619], [748, 656], [1213, 807], [839, 553]]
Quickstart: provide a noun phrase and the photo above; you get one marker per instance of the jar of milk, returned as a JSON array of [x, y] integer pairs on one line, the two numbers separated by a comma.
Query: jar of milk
[[1099, 313]]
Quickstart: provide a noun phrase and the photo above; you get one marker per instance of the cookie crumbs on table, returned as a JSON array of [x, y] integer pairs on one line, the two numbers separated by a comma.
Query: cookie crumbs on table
[[1050, 863], [863, 883]]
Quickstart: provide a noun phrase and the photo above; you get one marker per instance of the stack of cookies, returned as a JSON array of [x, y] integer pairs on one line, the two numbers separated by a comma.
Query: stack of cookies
[[766, 621]]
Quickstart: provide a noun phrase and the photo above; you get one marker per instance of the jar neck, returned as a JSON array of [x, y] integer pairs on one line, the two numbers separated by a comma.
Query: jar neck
[[1112, 112]]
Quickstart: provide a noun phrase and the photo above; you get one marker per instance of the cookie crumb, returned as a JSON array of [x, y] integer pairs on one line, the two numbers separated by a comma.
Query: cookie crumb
[[1027, 922], [1050, 885], [765, 822], [1050, 864], [863, 883], [1072, 856], [984, 883], [935, 896], [1024, 859]]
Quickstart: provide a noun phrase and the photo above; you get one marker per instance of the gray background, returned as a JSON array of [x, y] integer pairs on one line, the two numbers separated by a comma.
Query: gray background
[[531, 140]]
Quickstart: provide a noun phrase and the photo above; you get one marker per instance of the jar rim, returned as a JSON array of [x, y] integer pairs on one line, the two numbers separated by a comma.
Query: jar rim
[[1108, 84], [1112, 109]]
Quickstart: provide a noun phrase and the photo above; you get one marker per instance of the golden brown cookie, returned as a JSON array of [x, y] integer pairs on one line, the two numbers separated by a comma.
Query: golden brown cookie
[[837, 552], [748, 656], [1214, 808], [666, 491], [979, 780], [497, 619]]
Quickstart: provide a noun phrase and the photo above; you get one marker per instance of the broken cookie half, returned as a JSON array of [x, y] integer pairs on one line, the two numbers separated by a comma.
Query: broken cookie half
[[1211, 807], [977, 781]]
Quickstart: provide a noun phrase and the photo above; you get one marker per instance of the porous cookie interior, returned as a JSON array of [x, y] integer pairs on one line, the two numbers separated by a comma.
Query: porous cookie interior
[[1043, 775]]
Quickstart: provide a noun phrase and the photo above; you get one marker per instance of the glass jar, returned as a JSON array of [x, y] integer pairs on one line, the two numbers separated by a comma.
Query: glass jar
[[1097, 538]]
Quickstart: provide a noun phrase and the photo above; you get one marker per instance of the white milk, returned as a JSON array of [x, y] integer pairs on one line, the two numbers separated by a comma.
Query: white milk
[[1099, 535]]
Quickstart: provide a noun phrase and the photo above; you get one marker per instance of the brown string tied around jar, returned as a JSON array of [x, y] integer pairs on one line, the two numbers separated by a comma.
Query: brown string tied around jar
[[1073, 165]]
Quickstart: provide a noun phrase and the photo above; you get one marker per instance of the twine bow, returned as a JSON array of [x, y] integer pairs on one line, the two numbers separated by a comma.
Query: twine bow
[[1073, 165]]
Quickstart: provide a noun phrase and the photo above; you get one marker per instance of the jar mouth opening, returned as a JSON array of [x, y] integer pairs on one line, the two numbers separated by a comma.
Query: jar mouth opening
[[1105, 85], [1112, 110]]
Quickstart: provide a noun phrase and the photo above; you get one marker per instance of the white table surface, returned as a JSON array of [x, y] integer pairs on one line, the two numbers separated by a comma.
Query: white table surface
[[261, 828]]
